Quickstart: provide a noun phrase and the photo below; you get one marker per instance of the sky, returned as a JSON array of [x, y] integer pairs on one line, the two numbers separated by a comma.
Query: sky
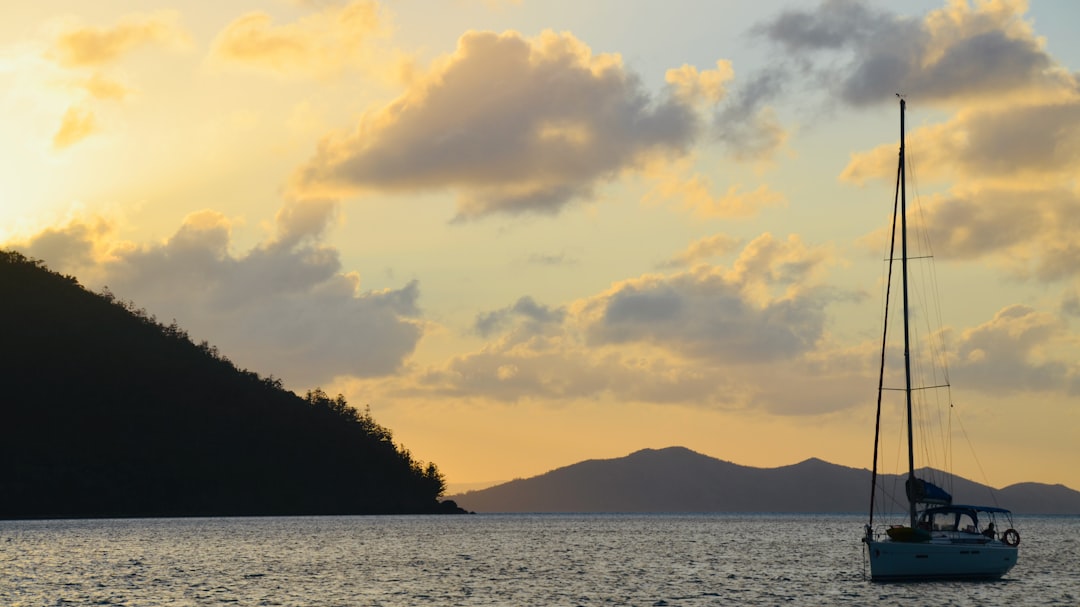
[[530, 233]]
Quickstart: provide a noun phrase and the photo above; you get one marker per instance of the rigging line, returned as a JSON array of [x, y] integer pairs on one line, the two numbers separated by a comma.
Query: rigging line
[[895, 498], [982, 473], [892, 496], [933, 322], [930, 302], [948, 432], [929, 427], [937, 387], [926, 415], [898, 495], [928, 244]]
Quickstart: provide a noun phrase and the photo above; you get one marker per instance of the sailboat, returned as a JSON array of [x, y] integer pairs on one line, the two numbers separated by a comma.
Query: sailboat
[[942, 540]]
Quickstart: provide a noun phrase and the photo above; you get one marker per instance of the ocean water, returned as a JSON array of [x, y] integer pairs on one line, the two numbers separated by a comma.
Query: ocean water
[[648, 560]]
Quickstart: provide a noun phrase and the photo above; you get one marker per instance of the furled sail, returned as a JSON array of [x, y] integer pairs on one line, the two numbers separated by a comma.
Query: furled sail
[[924, 492]]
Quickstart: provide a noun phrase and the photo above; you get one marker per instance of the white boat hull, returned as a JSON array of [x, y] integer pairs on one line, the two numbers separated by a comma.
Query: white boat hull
[[900, 561]]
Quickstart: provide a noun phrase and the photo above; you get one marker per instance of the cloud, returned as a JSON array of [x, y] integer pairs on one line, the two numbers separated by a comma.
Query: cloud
[[966, 56], [1017, 203], [71, 247], [759, 310], [284, 308], [103, 88], [700, 86], [694, 193], [321, 44], [553, 371], [713, 336], [300, 219], [747, 125], [1002, 146], [1023, 142], [512, 124], [525, 309], [1070, 303], [552, 259], [1008, 156], [954, 55], [1030, 232], [833, 25], [700, 250], [752, 336], [1014, 352], [83, 55], [78, 46], [76, 125]]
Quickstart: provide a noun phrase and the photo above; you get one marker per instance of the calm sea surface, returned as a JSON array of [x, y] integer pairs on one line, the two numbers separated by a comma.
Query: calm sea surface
[[650, 560]]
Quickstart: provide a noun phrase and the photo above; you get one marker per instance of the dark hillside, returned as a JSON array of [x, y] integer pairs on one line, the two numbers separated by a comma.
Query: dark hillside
[[106, 412]]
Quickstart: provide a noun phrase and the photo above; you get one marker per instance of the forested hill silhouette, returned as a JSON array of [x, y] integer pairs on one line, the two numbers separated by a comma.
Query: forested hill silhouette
[[677, 479], [106, 412]]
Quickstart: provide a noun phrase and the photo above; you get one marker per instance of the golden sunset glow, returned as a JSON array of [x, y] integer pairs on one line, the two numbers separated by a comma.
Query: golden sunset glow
[[533, 233]]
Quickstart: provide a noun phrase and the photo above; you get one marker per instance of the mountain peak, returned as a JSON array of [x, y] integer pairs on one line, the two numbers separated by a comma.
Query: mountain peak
[[677, 479]]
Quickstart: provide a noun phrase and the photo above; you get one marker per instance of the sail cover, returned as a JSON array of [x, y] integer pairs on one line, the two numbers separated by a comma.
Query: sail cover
[[923, 492]]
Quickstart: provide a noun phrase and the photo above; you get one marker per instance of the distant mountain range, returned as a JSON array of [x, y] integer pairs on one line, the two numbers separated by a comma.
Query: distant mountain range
[[677, 479]]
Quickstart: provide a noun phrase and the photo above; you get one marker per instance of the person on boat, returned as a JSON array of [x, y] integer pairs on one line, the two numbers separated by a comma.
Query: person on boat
[[989, 532]]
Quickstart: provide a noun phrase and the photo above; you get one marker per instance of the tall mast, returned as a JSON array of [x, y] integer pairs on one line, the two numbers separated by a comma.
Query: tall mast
[[907, 340], [884, 345]]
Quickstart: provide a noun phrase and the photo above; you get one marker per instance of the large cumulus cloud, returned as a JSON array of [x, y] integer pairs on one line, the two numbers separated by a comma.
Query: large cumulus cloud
[[512, 124], [762, 309], [284, 308], [1015, 352], [954, 54], [861, 54]]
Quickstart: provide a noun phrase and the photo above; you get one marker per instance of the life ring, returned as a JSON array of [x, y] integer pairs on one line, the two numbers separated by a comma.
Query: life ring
[[1011, 537]]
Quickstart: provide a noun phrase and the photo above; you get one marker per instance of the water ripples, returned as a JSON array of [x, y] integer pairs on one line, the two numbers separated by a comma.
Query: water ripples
[[588, 560]]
